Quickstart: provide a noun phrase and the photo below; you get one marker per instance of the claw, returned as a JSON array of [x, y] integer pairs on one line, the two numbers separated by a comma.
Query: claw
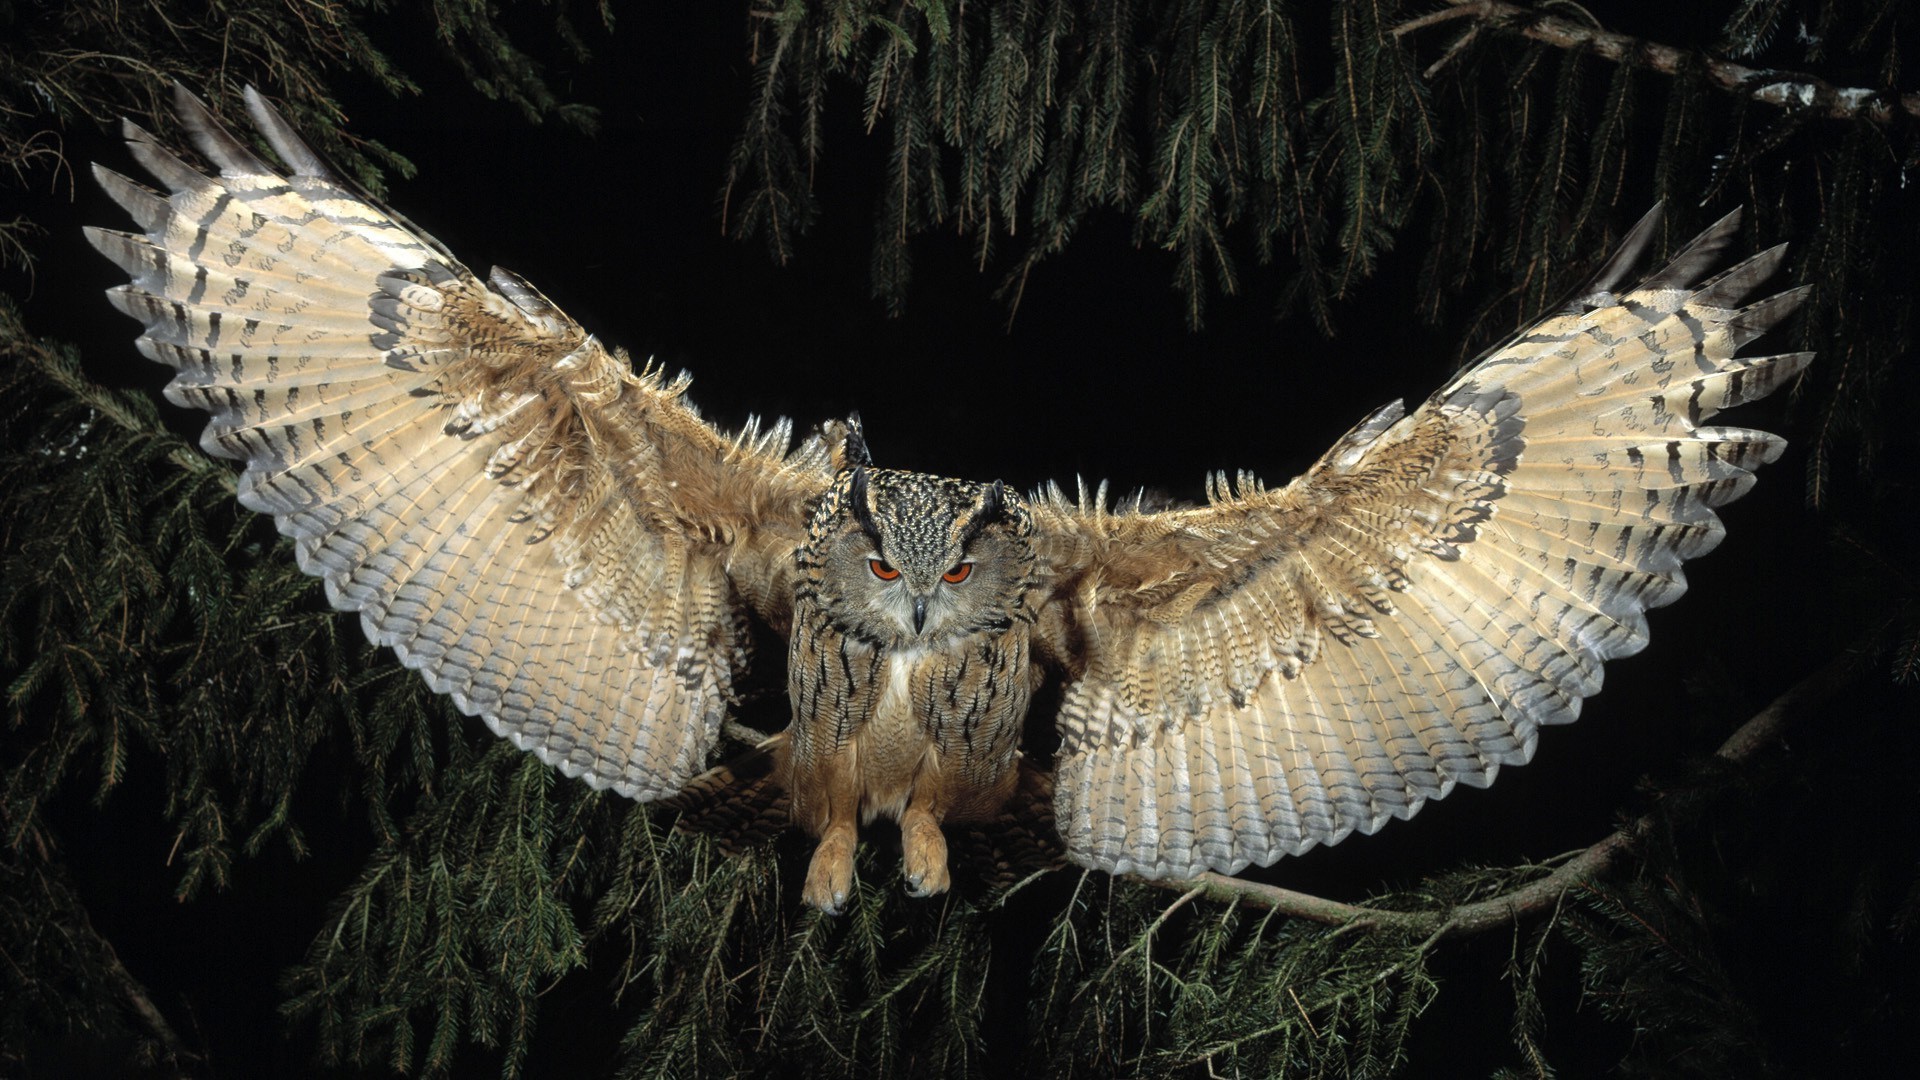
[[830, 874], [924, 856]]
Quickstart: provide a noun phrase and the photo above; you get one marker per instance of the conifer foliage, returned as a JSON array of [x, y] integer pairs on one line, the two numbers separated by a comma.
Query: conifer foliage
[[177, 695]]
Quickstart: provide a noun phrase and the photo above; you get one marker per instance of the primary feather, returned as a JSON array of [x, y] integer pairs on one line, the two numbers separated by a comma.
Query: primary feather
[[542, 533], [1283, 668]]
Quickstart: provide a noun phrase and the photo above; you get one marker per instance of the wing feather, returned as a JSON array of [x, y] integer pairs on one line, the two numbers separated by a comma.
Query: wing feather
[[1282, 668], [540, 532]]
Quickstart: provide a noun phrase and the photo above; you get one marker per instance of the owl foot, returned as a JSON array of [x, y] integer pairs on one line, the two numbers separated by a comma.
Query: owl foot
[[830, 874], [924, 855]]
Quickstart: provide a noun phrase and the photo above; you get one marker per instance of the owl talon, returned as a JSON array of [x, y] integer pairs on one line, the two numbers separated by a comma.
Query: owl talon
[[830, 874], [924, 855], [920, 887]]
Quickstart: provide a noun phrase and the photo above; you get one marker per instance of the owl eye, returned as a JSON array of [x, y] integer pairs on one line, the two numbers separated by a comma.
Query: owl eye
[[882, 569], [958, 574]]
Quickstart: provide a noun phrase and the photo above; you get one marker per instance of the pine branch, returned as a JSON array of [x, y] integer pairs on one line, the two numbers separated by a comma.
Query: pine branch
[[140, 1003], [63, 371], [1786, 89], [47, 891], [1465, 920]]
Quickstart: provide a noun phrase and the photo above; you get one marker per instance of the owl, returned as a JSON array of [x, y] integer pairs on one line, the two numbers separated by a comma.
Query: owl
[[567, 549]]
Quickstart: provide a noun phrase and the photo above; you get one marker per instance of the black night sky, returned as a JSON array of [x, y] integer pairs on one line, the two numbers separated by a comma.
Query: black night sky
[[1096, 376]]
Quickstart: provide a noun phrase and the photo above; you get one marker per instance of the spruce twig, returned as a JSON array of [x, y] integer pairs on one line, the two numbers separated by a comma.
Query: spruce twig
[[1786, 89], [1480, 916], [52, 880]]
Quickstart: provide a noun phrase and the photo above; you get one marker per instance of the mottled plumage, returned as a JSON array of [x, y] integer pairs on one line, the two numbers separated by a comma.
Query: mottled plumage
[[908, 690], [568, 550]]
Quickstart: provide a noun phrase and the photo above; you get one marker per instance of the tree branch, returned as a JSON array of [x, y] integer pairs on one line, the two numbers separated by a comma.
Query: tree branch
[[48, 362], [141, 1005], [1787, 89], [1536, 896], [52, 882]]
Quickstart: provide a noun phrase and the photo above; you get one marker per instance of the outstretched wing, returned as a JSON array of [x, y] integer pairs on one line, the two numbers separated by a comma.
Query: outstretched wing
[[1280, 668], [564, 547]]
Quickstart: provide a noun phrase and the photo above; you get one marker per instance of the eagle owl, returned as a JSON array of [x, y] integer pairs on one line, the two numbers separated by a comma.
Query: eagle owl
[[567, 549]]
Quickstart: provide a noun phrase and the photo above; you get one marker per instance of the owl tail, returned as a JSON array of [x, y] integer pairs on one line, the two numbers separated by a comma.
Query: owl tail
[[740, 803]]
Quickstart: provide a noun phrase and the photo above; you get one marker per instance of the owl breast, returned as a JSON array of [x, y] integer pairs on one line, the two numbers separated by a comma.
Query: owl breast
[[895, 745], [879, 727]]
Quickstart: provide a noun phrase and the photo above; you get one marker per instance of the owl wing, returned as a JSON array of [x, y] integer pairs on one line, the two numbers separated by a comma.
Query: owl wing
[[563, 546], [1280, 668]]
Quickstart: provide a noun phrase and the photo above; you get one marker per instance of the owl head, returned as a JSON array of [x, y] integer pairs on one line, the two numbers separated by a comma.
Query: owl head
[[908, 560]]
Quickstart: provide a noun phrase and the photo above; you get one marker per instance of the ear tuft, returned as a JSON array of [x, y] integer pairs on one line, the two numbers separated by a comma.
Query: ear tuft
[[993, 505], [854, 452], [862, 508]]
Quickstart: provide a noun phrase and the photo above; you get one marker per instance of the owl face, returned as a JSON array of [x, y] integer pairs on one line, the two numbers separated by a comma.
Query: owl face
[[909, 560]]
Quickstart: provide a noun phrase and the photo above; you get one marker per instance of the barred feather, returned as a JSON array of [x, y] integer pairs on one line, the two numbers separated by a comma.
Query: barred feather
[[1281, 669], [544, 535]]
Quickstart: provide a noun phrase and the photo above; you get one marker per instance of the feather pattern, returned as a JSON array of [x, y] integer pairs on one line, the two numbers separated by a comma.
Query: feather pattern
[[545, 535], [570, 552], [1282, 668]]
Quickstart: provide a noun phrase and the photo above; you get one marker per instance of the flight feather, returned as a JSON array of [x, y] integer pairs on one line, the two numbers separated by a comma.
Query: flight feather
[[1284, 667], [559, 543]]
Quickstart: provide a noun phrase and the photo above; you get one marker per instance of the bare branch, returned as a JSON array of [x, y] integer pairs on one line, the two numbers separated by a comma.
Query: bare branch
[[140, 1003], [1434, 18], [1786, 89], [51, 880], [1536, 896]]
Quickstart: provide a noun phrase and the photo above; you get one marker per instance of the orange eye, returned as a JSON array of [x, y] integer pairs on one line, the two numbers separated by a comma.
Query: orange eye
[[882, 569], [958, 574]]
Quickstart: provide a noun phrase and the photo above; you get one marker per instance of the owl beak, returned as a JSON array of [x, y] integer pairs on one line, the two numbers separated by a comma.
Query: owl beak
[[919, 614]]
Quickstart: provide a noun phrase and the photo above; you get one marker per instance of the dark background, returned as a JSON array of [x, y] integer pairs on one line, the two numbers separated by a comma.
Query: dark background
[[1096, 376]]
